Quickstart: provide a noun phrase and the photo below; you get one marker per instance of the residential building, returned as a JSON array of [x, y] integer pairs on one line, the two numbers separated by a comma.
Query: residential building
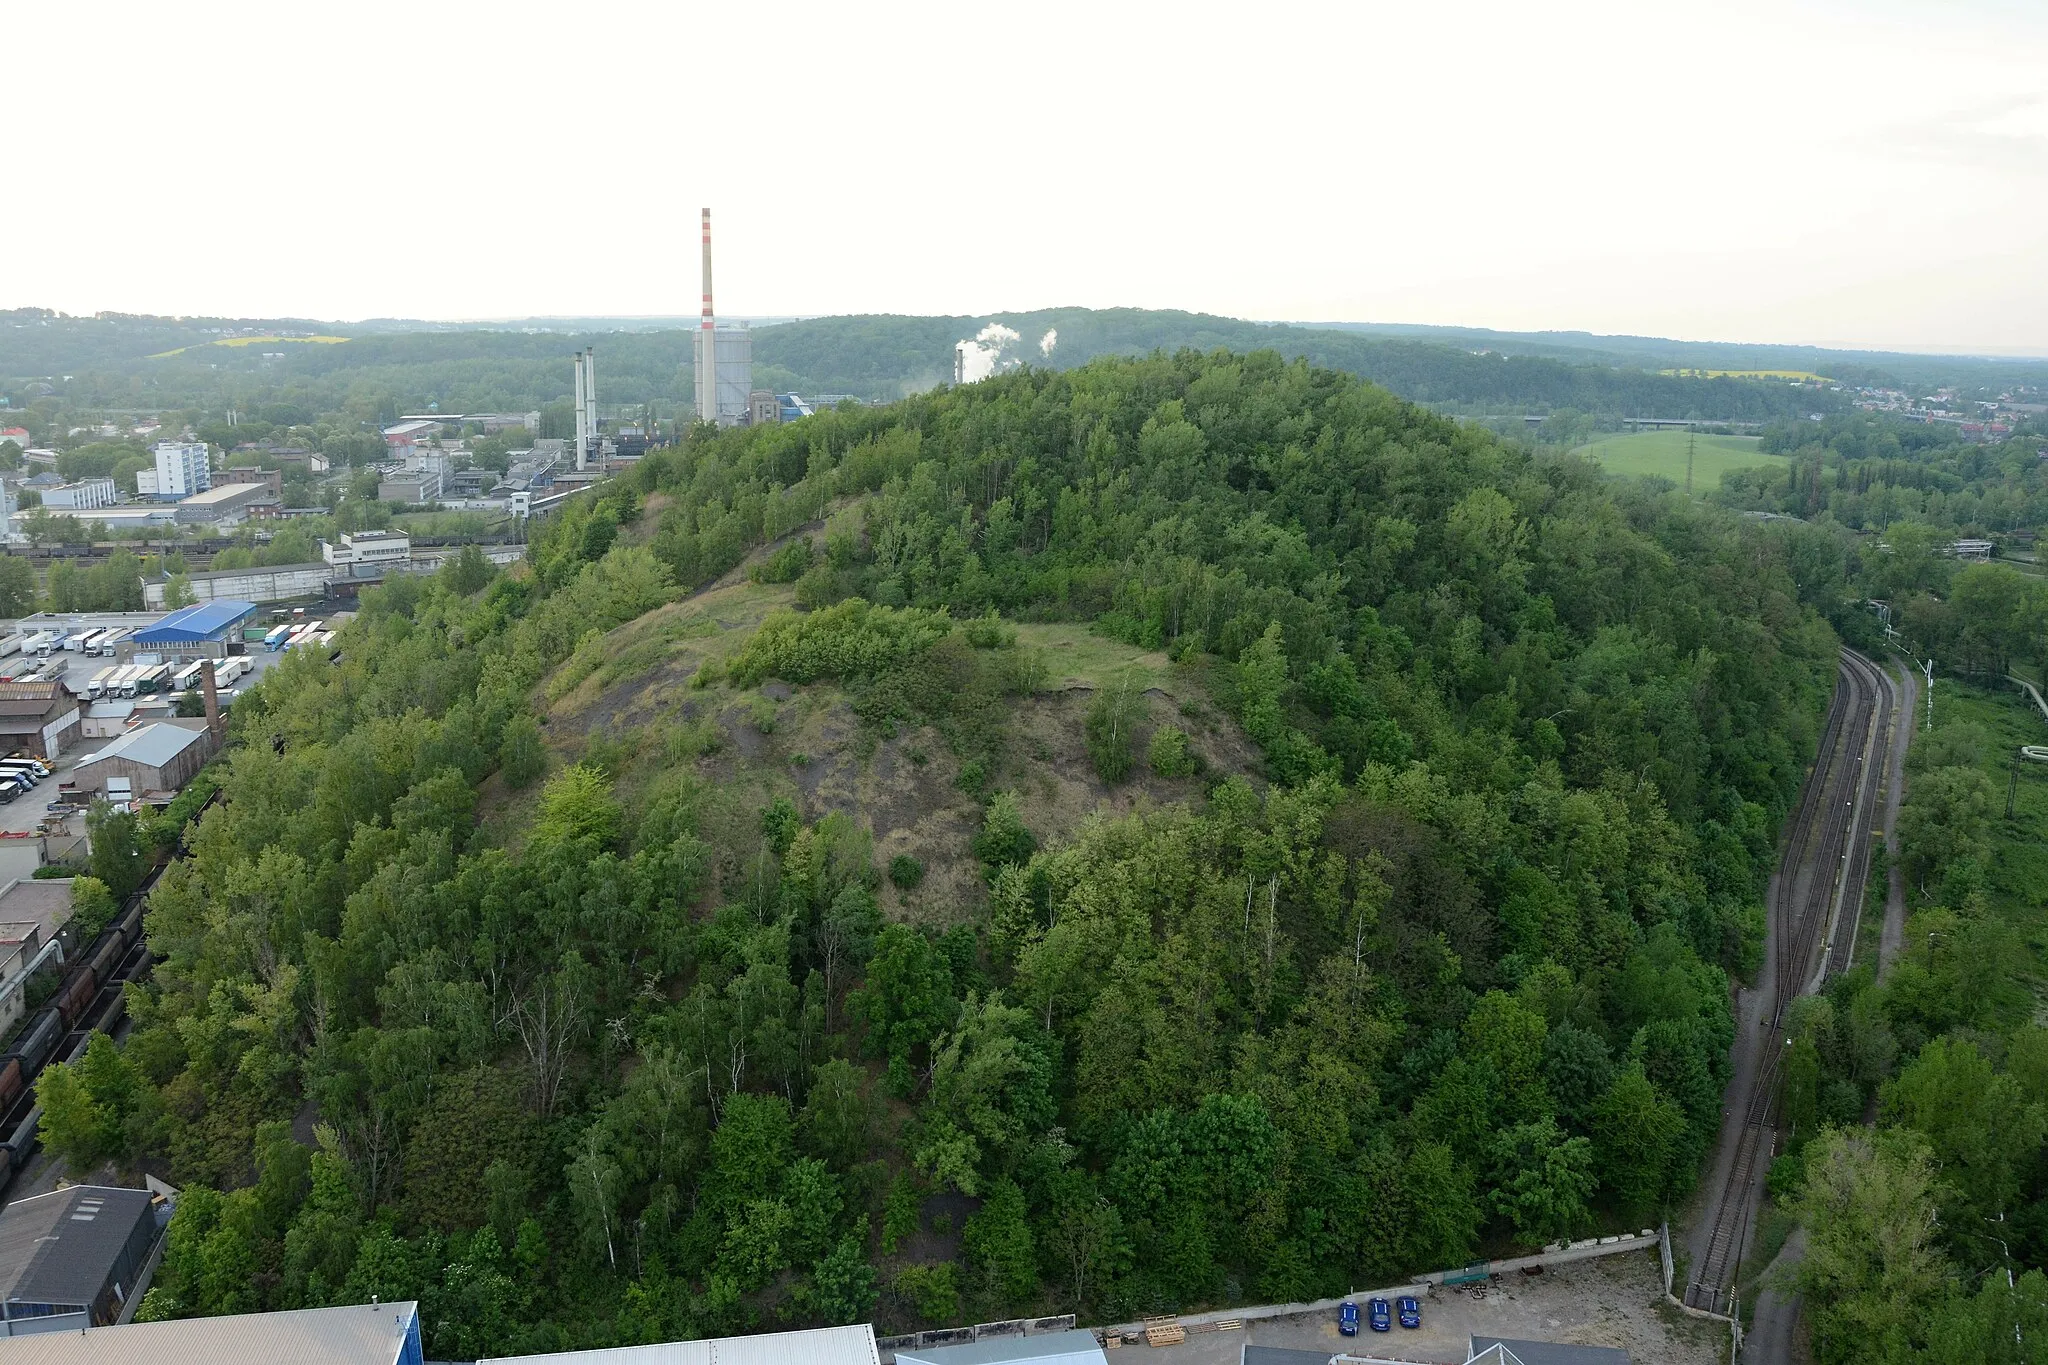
[[360, 1334], [226, 504], [37, 717], [18, 435], [72, 1259], [159, 757], [82, 496], [365, 553], [182, 469], [818, 1346]]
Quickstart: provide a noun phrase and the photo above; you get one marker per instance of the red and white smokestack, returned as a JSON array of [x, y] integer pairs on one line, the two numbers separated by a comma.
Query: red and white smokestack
[[707, 367]]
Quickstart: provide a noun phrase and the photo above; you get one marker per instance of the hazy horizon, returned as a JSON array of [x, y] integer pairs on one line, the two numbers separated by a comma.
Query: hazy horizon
[[1869, 176]]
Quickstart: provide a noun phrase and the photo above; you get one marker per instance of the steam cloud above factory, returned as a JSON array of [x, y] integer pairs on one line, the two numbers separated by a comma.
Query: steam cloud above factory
[[996, 349]]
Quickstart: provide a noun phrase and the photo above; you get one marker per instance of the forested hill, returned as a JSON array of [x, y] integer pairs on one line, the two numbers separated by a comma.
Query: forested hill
[[868, 354], [596, 1049], [166, 363]]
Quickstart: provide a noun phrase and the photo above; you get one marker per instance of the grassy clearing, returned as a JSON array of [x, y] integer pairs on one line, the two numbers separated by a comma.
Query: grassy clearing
[[1807, 376], [1662, 454], [253, 341], [1078, 657], [681, 635]]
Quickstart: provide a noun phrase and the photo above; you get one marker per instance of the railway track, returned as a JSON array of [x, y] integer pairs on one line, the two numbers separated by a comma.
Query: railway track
[[1820, 879]]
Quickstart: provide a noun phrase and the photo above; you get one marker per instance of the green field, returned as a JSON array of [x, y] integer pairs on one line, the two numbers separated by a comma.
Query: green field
[[1662, 453]]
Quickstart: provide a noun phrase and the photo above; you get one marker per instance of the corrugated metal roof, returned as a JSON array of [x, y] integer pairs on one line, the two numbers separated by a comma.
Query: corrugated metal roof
[[58, 1248], [150, 745], [820, 1346], [1553, 1352], [1076, 1347], [366, 1334], [189, 624]]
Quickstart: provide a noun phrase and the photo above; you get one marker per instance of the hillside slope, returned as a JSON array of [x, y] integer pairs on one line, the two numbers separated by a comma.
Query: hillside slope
[[637, 979]]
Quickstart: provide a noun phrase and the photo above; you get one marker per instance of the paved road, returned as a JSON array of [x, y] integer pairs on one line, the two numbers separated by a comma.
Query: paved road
[[1774, 1332]]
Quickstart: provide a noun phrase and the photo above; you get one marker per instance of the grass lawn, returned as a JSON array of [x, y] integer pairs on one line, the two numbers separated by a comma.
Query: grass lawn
[[1077, 657], [1662, 453]]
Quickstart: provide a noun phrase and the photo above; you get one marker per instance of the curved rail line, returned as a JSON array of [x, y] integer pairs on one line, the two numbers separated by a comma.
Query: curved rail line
[[1821, 876]]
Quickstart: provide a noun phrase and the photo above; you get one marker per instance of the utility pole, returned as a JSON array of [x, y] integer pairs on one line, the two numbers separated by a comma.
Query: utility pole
[[1930, 691], [1689, 439]]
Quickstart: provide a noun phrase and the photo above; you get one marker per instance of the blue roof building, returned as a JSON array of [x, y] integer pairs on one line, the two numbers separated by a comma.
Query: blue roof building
[[208, 623]]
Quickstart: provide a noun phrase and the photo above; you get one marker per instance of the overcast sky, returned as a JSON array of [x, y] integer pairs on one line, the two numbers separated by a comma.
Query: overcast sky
[[1800, 170]]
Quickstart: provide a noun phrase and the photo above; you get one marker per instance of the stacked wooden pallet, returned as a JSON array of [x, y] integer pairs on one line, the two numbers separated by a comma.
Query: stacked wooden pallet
[[1164, 1332]]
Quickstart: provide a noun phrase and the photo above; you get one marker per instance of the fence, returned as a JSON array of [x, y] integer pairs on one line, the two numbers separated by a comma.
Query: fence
[[887, 1347]]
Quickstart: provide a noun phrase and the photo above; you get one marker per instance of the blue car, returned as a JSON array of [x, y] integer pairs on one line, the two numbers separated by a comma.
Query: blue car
[[1347, 1318], [1410, 1311], [1377, 1312]]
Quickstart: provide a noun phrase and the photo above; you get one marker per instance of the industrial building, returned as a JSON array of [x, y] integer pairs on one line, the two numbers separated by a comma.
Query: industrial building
[[412, 487], [224, 504], [161, 757], [202, 631], [182, 469], [368, 553], [72, 1259], [269, 478], [31, 913], [40, 718], [819, 1346], [82, 496], [1073, 1347], [361, 1334]]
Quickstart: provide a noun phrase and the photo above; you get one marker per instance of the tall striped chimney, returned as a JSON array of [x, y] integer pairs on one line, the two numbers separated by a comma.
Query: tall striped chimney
[[707, 357]]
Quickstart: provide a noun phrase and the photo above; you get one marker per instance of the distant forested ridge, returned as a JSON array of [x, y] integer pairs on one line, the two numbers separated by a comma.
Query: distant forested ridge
[[123, 363], [1866, 473], [590, 1055]]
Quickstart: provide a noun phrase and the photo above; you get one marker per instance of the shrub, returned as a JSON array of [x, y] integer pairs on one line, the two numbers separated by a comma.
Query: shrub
[[854, 639], [1003, 838], [520, 756], [1112, 717], [973, 778], [991, 632], [1169, 754], [906, 872], [931, 1290], [787, 564]]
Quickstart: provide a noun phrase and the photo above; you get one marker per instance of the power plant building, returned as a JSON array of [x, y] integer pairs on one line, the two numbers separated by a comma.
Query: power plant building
[[721, 359], [728, 403]]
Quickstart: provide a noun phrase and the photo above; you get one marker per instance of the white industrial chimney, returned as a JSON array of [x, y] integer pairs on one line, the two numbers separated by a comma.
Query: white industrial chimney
[[581, 402], [590, 402]]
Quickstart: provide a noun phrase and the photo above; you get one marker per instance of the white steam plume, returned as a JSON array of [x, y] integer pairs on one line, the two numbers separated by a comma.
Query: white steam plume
[[1048, 341], [983, 356]]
